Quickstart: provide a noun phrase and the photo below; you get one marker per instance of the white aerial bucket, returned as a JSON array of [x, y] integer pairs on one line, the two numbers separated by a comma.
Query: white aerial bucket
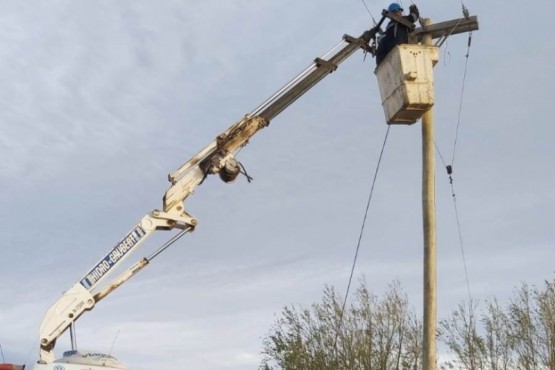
[[406, 82]]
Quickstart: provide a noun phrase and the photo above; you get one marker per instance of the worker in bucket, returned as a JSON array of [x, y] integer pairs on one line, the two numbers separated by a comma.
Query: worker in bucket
[[396, 33]]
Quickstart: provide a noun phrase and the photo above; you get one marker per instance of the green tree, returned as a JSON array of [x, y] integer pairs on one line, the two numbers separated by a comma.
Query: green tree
[[372, 333], [498, 340], [459, 333], [384, 334], [520, 336], [532, 326]]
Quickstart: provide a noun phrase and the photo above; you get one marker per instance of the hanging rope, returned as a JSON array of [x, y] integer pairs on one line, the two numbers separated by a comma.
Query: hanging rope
[[341, 314]]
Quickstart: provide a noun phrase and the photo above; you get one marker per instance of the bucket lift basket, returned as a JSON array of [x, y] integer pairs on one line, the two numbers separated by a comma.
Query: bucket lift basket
[[405, 79]]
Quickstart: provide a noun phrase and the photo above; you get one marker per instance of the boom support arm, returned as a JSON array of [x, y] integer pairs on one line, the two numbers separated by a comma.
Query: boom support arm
[[218, 157]]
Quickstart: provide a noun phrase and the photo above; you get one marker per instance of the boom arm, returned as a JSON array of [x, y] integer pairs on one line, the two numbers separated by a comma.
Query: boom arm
[[217, 157]]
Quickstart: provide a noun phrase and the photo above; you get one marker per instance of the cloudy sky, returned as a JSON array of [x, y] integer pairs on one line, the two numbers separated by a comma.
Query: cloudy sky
[[100, 100]]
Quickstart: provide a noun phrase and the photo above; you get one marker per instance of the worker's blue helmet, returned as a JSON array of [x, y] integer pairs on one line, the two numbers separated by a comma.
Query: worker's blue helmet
[[393, 7]]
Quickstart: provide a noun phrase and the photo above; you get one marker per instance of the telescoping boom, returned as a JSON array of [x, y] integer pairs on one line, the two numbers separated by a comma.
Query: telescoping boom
[[218, 157]]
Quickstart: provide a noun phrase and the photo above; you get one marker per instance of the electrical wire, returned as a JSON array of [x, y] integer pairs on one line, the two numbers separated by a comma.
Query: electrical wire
[[461, 244], [31, 351], [461, 97], [449, 168], [459, 228], [114, 342], [360, 239], [369, 12]]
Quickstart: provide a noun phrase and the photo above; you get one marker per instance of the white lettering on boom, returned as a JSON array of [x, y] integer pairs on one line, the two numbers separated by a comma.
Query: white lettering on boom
[[113, 257]]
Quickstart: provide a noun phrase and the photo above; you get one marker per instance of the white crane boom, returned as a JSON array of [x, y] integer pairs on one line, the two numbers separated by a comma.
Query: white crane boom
[[218, 157]]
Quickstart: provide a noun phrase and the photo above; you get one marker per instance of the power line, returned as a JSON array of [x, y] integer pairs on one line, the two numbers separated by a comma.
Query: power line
[[114, 342], [449, 169], [360, 239], [461, 244], [461, 96], [369, 12]]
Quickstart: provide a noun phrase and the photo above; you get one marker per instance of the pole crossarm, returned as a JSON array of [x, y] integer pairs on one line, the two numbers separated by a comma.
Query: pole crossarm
[[451, 27]]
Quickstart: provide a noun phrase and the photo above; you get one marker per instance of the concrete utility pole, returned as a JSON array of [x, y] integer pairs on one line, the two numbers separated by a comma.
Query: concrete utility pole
[[429, 32]]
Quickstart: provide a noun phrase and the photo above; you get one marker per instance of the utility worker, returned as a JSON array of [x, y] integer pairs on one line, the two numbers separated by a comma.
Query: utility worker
[[395, 32]]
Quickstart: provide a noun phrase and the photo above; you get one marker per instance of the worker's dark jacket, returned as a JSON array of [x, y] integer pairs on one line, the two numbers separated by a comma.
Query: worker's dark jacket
[[395, 34]]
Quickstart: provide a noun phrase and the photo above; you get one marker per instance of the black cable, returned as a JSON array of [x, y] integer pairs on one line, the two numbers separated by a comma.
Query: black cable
[[359, 240], [32, 350], [461, 98], [460, 239], [461, 244], [369, 12], [449, 168], [244, 172], [440, 156]]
